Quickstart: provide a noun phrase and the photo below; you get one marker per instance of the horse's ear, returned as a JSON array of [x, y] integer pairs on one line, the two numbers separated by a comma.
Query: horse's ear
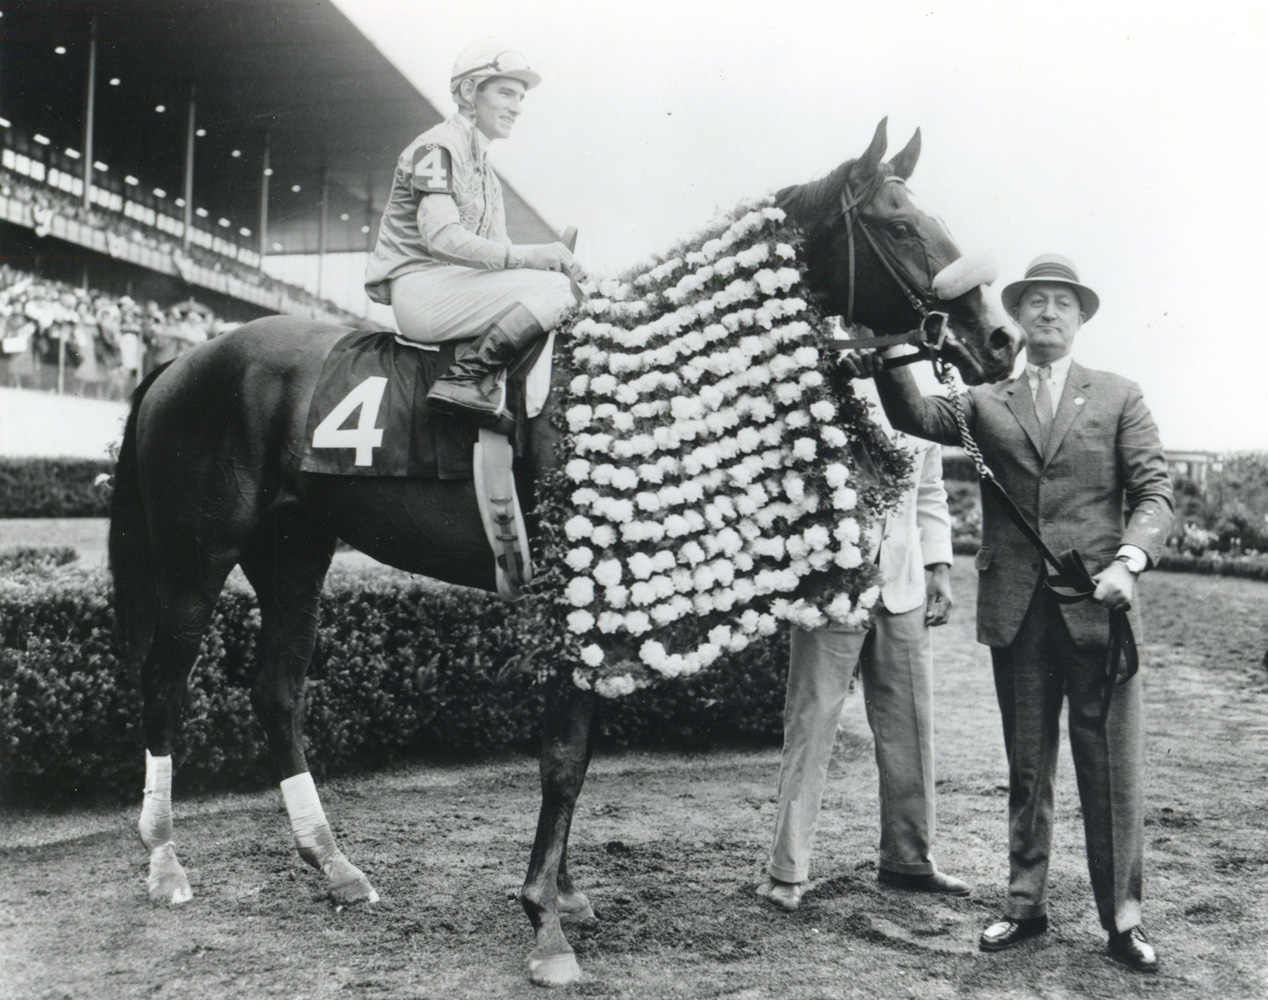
[[867, 164], [905, 162]]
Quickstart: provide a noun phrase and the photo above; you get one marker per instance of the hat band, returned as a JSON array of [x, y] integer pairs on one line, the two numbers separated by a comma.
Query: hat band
[[1051, 269]]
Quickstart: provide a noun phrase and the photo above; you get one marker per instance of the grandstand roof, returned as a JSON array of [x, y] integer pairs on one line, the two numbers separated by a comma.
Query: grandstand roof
[[296, 71]]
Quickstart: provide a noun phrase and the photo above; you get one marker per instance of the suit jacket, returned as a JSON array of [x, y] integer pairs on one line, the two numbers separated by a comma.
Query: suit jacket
[[1102, 483], [917, 534]]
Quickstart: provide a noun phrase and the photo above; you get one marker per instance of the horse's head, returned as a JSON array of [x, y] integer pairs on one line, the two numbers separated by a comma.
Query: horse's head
[[873, 256]]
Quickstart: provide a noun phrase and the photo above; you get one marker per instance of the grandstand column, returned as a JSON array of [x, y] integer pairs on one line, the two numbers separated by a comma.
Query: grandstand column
[[189, 165], [265, 173], [321, 226], [90, 107]]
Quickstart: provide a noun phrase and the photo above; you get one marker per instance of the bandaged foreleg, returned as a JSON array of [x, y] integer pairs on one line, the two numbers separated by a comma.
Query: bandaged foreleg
[[316, 842], [308, 821], [156, 810]]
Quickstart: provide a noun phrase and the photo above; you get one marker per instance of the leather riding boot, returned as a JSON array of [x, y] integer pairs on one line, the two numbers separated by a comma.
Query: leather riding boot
[[467, 388]]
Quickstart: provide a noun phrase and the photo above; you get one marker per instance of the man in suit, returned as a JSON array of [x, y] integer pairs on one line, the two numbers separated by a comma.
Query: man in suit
[[1074, 448], [896, 664]]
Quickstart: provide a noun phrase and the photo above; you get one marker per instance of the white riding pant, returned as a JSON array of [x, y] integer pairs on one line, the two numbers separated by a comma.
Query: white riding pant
[[898, 691], [456, 303]]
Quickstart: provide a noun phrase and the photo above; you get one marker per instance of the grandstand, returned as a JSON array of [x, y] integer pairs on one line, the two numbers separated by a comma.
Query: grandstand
[[158, 153]]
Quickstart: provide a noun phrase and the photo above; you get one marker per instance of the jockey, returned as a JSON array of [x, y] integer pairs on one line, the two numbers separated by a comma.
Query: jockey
[[443, 260]]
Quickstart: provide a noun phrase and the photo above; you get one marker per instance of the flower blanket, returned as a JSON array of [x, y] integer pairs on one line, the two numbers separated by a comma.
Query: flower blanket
[[712, 485]]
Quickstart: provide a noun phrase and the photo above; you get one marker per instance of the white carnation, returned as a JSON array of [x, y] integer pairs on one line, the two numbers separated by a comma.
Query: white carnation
[[836, 475], [592, 655], [578, 527], [580, 621], [637, 622], [608, 573], [579, 559], [822, 410]]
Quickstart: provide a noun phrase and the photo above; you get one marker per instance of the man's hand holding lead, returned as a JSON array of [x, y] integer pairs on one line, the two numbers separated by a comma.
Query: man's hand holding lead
[[1115, 586]]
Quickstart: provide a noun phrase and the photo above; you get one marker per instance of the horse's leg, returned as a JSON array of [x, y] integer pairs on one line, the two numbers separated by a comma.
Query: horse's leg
[[567, 727], [286, 562], [189, 587], [572, 902]]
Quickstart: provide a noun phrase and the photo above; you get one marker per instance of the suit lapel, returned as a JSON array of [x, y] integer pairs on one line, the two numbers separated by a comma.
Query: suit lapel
[[1073, 402], [1023, 407]]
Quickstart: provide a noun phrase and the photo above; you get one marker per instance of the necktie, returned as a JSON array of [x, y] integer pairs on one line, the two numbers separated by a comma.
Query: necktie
[[1043, 406]]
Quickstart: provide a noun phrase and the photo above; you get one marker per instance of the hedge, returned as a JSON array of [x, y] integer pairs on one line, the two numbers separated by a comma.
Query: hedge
[[53, 487], [403, 670]]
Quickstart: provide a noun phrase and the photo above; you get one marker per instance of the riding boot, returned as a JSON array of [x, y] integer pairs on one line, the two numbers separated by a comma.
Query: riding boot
[[468, 387]]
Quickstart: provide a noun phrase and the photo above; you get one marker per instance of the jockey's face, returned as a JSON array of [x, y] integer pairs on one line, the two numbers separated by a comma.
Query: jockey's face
[[1051, 314], [497, 105]]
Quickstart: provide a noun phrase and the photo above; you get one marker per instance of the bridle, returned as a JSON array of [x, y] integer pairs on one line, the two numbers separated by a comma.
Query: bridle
[[933, 333]]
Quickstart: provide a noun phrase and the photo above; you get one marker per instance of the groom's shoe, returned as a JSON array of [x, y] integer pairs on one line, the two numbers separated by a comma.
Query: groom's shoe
[[935, 882], [1132, 948], [1006, 933], [785, 895]]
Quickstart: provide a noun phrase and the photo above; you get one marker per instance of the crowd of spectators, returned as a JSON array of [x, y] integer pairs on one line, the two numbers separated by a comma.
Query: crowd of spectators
[[58, 336], [47, 201]]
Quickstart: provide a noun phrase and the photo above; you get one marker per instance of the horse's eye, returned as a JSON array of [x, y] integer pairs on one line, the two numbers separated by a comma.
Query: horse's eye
[[901, 231]]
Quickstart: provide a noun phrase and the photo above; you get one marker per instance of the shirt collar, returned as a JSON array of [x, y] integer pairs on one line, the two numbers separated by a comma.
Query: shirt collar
[[1060, 369], [479, 141]]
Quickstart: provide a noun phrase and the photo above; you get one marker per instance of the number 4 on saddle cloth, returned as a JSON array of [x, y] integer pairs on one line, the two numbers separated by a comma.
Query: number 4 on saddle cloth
[[369, 416]]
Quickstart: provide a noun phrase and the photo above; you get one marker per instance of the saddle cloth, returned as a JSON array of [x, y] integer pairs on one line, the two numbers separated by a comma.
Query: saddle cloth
[[369, 414]]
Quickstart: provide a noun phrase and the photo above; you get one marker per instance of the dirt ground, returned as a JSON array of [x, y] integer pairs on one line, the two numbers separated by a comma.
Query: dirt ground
[[670, 847]]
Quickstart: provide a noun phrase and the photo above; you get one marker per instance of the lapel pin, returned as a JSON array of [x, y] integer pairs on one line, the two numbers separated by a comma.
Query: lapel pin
[[1078, 400]]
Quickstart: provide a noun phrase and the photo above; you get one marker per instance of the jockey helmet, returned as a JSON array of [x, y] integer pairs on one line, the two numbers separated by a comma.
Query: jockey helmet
[[488, 58]]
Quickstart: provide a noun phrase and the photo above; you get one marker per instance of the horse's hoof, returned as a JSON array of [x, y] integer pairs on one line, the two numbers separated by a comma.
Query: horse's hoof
[[554, 970], [167, 882], [351, 893], [348, 884]]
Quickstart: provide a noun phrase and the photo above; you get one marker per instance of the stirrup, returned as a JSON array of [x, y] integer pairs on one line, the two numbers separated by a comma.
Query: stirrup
[[500, 511], [484, 415]]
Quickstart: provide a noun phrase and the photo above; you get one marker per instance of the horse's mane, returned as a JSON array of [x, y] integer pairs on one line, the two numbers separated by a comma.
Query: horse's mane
[[816, 204]]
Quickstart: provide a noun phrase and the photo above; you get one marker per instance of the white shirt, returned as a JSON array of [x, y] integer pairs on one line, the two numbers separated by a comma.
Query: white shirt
[[1056, 381]]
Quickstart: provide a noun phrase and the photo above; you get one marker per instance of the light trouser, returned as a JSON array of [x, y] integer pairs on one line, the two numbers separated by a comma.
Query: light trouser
[[1041, 669], [897, 671], [456, 303]]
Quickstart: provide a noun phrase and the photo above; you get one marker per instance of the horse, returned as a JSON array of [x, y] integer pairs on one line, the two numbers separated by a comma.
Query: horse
[[208, 478]]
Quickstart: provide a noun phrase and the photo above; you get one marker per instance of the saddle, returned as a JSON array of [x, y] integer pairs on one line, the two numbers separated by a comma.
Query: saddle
[[369, 416]]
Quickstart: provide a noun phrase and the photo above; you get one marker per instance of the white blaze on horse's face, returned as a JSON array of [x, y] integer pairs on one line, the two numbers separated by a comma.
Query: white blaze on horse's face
[[498, 103]]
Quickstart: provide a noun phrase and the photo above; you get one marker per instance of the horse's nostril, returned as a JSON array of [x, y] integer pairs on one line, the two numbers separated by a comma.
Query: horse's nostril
[[999, 340]]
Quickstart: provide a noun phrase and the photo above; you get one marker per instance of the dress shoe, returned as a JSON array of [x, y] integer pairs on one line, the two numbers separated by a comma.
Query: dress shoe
[[932, 882], [1132, 948], [785, 895], [1007, 933]]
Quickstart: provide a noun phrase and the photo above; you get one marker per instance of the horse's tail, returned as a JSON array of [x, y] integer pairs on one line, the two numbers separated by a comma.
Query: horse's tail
[[133, 561]]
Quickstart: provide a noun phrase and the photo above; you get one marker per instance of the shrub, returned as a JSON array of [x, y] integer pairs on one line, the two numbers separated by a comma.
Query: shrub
[[36, 557], [53, 487], [402, 669]]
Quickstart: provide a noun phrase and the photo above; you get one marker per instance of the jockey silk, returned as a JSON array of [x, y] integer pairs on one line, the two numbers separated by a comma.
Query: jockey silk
[[445, 208]]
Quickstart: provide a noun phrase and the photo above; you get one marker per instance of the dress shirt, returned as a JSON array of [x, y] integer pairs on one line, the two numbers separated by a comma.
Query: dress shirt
[[1056, 381]]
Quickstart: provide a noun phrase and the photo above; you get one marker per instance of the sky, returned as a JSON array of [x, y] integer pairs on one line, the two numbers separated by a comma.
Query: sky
[[1129, 136]]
